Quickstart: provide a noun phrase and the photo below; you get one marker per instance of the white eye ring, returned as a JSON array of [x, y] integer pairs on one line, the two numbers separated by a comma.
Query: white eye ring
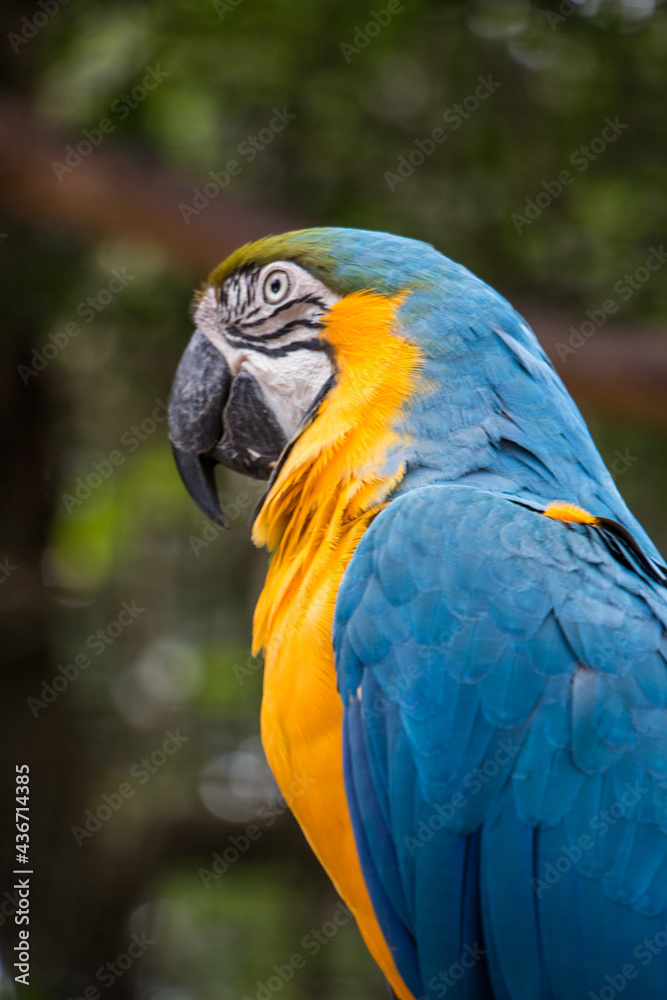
[[276, 286]]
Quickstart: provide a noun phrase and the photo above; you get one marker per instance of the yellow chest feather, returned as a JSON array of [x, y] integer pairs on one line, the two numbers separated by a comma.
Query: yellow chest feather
[[331, 486]]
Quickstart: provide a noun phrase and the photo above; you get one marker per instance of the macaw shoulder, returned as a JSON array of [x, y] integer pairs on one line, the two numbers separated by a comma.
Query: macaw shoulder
[[459, 586]]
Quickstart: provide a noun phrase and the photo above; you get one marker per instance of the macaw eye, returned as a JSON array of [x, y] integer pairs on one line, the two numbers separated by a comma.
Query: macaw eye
[[276, 287]]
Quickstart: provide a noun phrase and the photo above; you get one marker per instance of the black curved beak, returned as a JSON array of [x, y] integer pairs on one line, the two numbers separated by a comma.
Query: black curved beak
[[198, 397], [216, 418]]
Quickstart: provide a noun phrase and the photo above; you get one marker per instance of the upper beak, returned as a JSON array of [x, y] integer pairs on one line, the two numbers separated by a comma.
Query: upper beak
[[200, 391], [215, 417]]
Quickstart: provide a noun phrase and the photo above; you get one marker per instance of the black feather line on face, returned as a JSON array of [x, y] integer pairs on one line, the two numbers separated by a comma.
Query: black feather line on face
[[245, 280], [236, 333], [279, 352], [288, 305]]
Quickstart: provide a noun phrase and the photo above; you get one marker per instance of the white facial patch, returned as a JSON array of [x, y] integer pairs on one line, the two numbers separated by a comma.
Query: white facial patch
[[289, 383], [264, 338]]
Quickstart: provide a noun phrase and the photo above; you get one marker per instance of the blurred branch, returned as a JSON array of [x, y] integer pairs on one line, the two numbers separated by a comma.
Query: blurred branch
[[622, 373], [114, 192]]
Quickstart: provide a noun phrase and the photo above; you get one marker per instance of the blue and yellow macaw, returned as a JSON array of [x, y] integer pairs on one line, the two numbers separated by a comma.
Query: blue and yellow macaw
[[464, 627]]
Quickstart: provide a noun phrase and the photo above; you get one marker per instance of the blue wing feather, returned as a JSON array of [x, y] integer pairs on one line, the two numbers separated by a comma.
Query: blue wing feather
[[504, 679]]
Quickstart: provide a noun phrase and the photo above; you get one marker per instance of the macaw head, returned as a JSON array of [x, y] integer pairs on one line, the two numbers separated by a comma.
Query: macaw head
[[253, 368], [270, 349], [258, 363]]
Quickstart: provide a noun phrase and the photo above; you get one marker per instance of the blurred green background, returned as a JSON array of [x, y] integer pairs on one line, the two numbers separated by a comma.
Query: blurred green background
[[129, 687]]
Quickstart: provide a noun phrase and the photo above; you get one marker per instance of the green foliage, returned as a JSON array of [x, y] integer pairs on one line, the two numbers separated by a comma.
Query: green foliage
[[358, 109]]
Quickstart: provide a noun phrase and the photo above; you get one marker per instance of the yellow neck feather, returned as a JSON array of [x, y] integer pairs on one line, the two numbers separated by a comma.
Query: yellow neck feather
[[333, 482]]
